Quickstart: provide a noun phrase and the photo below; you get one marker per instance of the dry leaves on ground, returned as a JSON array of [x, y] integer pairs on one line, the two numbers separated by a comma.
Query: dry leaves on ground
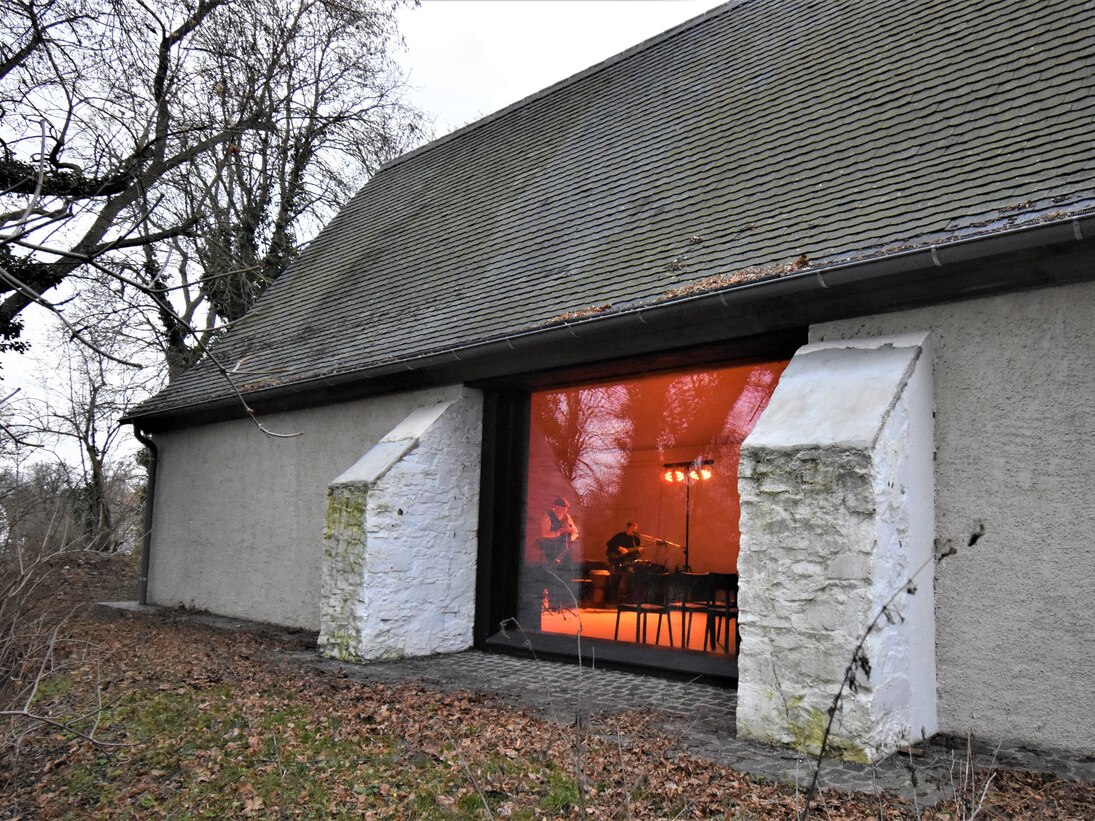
[[228, 725]]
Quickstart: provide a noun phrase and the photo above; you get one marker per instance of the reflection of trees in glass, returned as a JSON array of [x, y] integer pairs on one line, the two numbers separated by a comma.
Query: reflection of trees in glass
[[753, 399], [644, 406], [586, 430], [606, 440], [670, 413], [684, 400]]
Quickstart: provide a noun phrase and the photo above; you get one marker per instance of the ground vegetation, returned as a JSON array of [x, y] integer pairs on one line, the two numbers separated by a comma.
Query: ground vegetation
[[216, 724]]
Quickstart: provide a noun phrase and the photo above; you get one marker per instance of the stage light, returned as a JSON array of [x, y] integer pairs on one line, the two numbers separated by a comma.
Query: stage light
[[686, 473]]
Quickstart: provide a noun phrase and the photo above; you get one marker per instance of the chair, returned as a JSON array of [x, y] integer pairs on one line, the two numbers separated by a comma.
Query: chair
[[721, 609], [689, 595], [647, 595]]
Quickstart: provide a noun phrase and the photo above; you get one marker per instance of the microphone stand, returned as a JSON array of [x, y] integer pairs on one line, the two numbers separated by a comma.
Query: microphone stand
[[658, 540]]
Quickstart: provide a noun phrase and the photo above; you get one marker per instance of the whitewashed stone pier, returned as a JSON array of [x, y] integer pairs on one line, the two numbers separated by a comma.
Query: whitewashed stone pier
[[400, 540], [837, 513]]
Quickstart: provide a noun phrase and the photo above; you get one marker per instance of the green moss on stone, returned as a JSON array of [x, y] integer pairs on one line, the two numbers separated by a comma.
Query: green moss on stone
[[808, 733], [338, 643], [343, 549], [345, 515]]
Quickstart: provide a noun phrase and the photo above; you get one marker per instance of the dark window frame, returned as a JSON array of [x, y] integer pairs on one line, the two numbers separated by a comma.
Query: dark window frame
[[502, 502]]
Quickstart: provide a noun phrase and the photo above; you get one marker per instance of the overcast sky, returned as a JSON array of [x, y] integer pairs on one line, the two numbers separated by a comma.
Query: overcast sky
[[468, 58]]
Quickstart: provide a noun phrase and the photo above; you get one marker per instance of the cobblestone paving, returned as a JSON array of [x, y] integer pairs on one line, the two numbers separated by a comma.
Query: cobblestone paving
[[699, 716]]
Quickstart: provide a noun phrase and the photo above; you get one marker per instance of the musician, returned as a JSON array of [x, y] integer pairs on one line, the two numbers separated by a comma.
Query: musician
[[622, 550], [557, 531]]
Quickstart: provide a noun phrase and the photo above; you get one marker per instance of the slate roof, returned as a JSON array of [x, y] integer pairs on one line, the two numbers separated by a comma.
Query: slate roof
[[760, 137]]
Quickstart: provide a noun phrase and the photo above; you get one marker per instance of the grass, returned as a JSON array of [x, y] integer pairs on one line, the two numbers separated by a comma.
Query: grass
[[210, 753], [221, 725], [267, 742]]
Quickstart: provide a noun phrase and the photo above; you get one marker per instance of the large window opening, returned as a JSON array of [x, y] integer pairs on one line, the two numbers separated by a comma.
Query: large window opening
[[631, 511]]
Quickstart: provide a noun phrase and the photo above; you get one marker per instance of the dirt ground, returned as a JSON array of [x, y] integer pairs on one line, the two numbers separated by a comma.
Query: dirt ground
[[192, 722]]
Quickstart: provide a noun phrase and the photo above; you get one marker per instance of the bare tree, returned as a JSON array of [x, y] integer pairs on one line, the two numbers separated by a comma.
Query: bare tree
[[36, 644], [182, 151], [88, 395], [82, 143]]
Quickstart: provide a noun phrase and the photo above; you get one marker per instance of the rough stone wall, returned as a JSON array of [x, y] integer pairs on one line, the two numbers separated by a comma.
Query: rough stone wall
[[343, 571], [804, 606], [1015, 462], [401, 540], [827, 541]]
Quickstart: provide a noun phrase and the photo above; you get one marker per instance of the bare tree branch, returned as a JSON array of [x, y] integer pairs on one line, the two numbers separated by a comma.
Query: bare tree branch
[[74, 333]]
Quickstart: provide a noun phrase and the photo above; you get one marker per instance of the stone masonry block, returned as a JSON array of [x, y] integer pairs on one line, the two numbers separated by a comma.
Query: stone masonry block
[[419, 522]]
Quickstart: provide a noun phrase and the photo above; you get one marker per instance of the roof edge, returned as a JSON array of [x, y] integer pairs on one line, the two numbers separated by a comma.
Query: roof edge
[[608, 62], [785, 290]]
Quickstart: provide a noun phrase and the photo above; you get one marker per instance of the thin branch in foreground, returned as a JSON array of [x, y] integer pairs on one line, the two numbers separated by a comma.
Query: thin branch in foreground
[[471, 775], [64, 726], [74, 332], [32, 203], [623, 772], [165, 306], [858, 661]]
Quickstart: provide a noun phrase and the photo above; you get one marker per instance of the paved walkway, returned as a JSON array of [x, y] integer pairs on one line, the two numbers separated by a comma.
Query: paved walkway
[[700, 716]]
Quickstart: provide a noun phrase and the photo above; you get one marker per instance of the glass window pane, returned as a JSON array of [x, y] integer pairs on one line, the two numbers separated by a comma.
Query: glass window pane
[[603, 450]]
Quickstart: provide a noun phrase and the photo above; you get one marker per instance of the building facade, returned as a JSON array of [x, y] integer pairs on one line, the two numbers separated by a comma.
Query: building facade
[[816, 315]]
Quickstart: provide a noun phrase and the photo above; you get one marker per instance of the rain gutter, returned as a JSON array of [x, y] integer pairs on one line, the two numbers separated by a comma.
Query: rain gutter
[[146, 525], [789, 289]]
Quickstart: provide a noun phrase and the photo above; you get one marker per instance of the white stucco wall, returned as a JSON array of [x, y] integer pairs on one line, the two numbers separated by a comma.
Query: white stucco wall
[[1015, 454], [239, 516]]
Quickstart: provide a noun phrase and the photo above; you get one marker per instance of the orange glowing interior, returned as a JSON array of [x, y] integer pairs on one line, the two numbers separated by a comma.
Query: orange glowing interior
[[632, 450]]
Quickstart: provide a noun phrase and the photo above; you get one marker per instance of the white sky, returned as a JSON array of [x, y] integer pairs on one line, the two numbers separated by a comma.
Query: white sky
[[468, 58]]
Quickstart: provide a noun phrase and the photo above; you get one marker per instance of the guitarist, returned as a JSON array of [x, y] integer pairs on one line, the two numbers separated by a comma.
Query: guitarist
[[557, 531], [623, 551]]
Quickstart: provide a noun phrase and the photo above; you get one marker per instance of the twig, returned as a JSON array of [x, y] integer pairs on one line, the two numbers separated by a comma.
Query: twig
[[471, 775], [914, 781], [859, 661], [623, 772], [105, 746], [277, 753], [579, 742], [32, 203], [34, 296]]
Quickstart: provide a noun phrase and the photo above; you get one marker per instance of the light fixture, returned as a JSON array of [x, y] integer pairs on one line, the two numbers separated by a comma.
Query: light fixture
[[697, 470], [694, 471]]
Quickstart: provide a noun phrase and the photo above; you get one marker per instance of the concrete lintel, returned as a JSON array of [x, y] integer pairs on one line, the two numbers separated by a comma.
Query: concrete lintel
[[418, 421], [835, 395], [913, 339]]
